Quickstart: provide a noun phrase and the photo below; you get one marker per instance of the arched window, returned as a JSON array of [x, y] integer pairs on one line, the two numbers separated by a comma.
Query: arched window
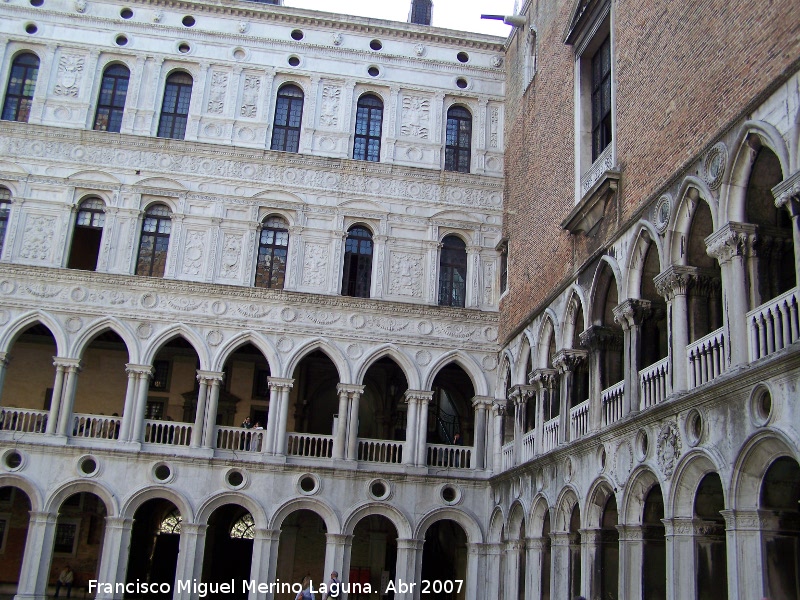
[[111, 103], [288, 115], [153, 246], [357, 274], [273, 246], [453, 272], [87, 235], [369, 118], [21, 83], [5, 210], [175, 108], [459, 140]]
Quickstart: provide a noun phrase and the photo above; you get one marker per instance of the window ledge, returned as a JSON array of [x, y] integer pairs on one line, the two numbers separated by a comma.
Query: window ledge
[[597, 186]]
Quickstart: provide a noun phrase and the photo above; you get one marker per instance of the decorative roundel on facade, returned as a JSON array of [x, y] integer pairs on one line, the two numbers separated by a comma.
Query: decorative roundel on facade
[[308, 484], [420, 50], [163, 472], [693, 427], [236, 479], [662, 213], [379, 489], [13, 460], [297, 35], [642, 445], [188, 21], [88, 466], [337, 38], [373, 71], [497, 61], [126, 13], [450, 494], [462, 83], [184, 47], [462, 57], [31, 28], [715, 164], [423, 358], [376, 45], [293, 60], [121, 40], [761, 406], [239, 54]]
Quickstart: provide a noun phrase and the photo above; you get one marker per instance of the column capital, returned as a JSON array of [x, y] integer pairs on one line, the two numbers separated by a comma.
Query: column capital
[[60, 361], [630, 533], [535, 543], [193, 528], [499, 406], [420, 396], [675, 280], [43, 518], [410, 544], [732, 239], [562, 538], [340, 539], [134, 369], [546, 378], [521, 393], [787, 193], [119, 523], [632, 312], [600, 337], [678, 527], [479, 402], [568, 359], [591, 536], [267, 535], [210, 376], [280, 383], [350, 388], [514, 545]]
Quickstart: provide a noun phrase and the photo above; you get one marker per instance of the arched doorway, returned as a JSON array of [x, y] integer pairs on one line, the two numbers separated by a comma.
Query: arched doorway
[[780, 496], [382, 412], [705, 296], [243, 401], [450, 410], [654, 551], [609, 551], [710, 547], [15, 509], [229, 547], [313, 404], [373, 556], [444, 557], [301, 550], [155, 541]]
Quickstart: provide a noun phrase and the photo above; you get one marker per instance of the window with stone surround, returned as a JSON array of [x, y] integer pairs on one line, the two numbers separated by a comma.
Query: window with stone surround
[[273, 247], [288, 116], [21, 85], [154, 242], [111, 103], [369, 122], [88, 232], [175, 107], [458, 144], [357, 272], [453, 272], [5, 211]]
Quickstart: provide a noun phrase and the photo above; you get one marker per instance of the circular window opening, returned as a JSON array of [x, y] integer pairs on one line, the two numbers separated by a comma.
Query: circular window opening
[[297, 35], [162, 472], [462, 57], [121, 40], [694, 427], [642, 444], [294, 61], [461, 83], [378, 489], [37, 2], [184, 48], [126, 13], [13, 460], [235, 478], [375, 45], [374, 71], [308, 484], [188, 21], [88, 466], [449, 494], [31, 28]]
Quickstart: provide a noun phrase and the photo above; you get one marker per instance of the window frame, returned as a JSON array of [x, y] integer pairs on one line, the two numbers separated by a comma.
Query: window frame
[[291, 102], [261, 282], [601, 114], [448, 268], [6, 203], [373, 112], [453, 153], [112, 108], [94, 213], [74, 522], [156, 235], [353, 263], [176, 117], [21, 96]]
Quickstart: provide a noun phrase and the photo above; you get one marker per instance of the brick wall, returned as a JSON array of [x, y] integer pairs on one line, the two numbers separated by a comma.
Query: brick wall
[[683, 71]]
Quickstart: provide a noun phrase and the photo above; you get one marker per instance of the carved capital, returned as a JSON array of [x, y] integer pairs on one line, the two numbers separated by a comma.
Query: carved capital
[[210, 376], [675, 281], [732, 239], [787, 194], [520, 393], [545, 378], [567, 360], [421, 396], [481, 402], [600, 337], [279, 383], [632, 312]]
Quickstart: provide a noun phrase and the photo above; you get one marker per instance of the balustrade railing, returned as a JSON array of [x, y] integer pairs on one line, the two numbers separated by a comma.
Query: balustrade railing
[[528, 445], [653, 383], [98, 427], [611, 398], [579, 420], [453, 457], [706, 358], [508, 455], [23, 419], [308, 444], [168, 433], [383, 451], [240, 439], [774, 325], [550, 434]]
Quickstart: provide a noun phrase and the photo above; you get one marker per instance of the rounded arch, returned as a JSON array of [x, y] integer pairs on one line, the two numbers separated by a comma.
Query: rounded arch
[[639, 484], [516, 519], [646, 238], [601, 273], [270, 213], [374, 94], [262, 343], [567, 500], [22, 51], [97, 327], [752, 463], [135, 500], [70, 488], [539, 512], [687, 476], [177, 330], [466, 362], [207, 508], [400, 521], [14, 329], [767, 135], [101, 196], [33, 493], [460, 235], [331, 351], [315, 505], [576, 303], [692, 191], [599, 492], [292, 82], [494, 534], [467, 522], [363, 224], [390, 351], [183, 69]]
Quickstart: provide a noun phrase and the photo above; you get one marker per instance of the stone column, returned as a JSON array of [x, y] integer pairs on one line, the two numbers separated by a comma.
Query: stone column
[[129, 410], [673, 284], [68, 397], [498, 414], [746, 569], [560, 567], [58, 392], [190, 557], [214, 380], [3, 364], [275, 385], [630, 315], [731, 245], [116, 549], [591, 563], [412, 399], [787, 195], [35, 569], [200, 410], [143, 387], [474, 567], [264, 541], [518, 403], [340, 439], [408, 553], [631, 557], [423, 400], [679, 534], [351, 421], [492, 576], [337, 554], [566, 361], [545, 381], [511, 588], [533, 569], [480, 404], [281, 431]]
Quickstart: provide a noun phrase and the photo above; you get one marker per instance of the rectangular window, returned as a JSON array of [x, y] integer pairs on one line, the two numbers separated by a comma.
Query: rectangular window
[[504, 271], [66, 537], [155, 410], [601, 98]]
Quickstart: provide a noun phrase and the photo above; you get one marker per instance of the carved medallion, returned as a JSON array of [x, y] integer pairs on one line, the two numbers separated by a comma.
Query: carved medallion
[[714, 165], [668, 448]]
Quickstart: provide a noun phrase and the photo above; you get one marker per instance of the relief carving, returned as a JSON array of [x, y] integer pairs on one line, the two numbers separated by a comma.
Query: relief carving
[[70, 67], [669, 448], [494, 126], [329, 111], [415, 117], [488, 279], [37, 238], [252, 87], [231, 257], [405, 272], [315, 265], [219, 87], [193, 252]]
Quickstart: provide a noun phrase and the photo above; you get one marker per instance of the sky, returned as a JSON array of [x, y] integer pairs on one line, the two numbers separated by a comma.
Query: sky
[[464, 15]]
